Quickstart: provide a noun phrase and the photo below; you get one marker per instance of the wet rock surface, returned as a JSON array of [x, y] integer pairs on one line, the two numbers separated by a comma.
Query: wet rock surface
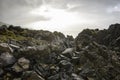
[[43, 55]]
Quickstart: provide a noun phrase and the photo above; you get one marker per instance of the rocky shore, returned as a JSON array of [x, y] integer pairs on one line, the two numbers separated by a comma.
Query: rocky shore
[[42, 55]]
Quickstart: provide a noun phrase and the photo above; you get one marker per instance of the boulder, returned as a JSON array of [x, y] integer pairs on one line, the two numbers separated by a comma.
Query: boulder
[[69, 52], [21, 65], [6, 59], [40, 53], [54, 69], [24, 63]]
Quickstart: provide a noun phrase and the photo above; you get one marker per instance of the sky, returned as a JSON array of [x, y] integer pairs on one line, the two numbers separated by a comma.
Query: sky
[[66, 16]]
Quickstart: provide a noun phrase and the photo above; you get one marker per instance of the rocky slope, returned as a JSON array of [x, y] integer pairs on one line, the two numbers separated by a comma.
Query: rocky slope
[[43, 55]]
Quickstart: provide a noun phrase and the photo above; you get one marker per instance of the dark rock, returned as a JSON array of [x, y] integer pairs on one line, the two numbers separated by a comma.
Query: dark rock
[[66, 66], [54, 70], [53, 58], [42, 70], [54, 77], [75, 60], [3, 29], [64, 76], [1, 72]]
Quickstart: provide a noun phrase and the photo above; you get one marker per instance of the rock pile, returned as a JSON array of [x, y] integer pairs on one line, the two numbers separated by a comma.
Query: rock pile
[[43, 55]]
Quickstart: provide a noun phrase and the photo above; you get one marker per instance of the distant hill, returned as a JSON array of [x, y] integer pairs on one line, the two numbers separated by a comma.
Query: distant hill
[[2, 23]]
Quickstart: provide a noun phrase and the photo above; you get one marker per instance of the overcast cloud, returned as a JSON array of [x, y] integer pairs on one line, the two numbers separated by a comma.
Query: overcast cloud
[[90, 14]]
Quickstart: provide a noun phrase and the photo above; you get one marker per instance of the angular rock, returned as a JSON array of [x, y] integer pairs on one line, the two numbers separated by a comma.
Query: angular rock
[[68, 50], [66, 66], [21, 65], [24, 63], [42, 70]]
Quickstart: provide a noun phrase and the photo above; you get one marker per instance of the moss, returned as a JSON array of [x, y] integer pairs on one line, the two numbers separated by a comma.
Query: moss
[[3, 39], [19, 38]]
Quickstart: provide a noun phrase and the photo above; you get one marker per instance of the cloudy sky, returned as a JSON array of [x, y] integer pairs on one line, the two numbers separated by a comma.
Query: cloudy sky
[[67, 16]]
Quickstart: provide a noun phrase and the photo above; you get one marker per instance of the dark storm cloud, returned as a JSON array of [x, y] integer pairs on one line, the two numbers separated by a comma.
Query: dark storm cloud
[[17, 11]]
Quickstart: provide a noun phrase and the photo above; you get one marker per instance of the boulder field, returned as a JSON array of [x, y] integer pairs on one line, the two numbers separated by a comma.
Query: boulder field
[[43, 55]]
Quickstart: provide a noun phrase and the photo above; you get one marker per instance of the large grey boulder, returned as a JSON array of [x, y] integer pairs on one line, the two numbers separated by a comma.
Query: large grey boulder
[[40, 52], [21, 65], [6, 59]]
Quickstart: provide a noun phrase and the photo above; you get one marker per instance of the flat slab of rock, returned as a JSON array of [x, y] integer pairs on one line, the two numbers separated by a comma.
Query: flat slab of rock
[[4, 47]]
